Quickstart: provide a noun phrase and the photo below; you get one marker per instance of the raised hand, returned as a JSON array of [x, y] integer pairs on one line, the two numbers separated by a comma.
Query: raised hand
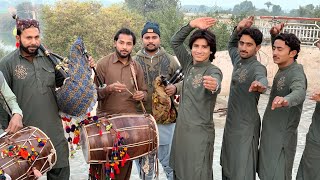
[[245, 23], [257, 86], [203, 22], [276, 29], [279, 102], [210, 83], [318, 44], [316, 96]]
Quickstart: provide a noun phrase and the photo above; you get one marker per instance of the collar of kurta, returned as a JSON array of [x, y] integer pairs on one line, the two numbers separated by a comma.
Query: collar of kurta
[[287, 67], [248, 60], [115, 58], [202, 64]]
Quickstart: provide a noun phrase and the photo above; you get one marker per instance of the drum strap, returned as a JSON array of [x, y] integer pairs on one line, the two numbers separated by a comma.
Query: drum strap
[[134, 76]]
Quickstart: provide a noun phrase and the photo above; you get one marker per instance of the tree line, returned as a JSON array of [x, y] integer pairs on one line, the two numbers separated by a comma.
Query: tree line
[[64, 21]]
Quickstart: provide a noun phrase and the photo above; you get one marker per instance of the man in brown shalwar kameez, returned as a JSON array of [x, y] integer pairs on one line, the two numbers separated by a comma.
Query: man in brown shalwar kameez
[[114, 71]]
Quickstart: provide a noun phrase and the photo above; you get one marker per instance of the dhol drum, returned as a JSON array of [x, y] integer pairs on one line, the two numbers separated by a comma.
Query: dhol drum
[[99, 139], [26, 154]]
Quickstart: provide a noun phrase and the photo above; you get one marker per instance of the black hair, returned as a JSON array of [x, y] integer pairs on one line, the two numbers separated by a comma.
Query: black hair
[[290, 40], [208, 36], [127, 32], [19, 32], [254, 33]]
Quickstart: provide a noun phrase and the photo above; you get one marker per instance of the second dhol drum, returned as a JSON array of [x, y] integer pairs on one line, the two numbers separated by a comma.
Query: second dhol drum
[[26, 154], [138, 134]]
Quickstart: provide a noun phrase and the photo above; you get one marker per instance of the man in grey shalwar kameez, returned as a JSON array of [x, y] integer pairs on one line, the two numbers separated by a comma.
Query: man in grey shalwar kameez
[[192, 146], [309, 168], [239, 152], [283, 112]]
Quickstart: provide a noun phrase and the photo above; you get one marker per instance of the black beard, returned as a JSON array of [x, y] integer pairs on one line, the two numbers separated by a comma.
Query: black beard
[[26, 50], [122, 56], [151, 50]]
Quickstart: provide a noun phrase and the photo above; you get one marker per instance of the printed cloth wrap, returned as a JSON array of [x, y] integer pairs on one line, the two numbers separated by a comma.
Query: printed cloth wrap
[[78, 95], [163, 109]]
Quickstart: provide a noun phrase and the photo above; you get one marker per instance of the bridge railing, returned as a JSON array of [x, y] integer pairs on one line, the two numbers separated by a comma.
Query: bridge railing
[[306, 29]]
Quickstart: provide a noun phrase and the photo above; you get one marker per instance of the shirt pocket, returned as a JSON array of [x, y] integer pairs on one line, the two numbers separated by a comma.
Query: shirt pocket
[[48, 76]]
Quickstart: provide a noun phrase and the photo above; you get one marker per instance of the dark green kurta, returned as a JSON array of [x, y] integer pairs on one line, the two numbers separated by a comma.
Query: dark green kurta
[[279, 126], [239, 151], [34, 85], [309, 168], [192, 145]]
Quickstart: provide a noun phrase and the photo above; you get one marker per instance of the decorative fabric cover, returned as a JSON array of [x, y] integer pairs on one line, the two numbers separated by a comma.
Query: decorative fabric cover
[[78, 95]]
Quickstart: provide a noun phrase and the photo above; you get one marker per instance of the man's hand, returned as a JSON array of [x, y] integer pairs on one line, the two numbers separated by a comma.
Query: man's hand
[[91, 62], [138, 95], [210, 83], [276, 29], [245, 23], [171, 90], [318, 44], [316, 96], [257, 86], [279, 102], [117, 87], [15, 124], [203, 22]]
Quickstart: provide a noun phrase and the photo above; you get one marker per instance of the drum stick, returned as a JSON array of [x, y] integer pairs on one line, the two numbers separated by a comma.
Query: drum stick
[[126, 89], [3, 134]]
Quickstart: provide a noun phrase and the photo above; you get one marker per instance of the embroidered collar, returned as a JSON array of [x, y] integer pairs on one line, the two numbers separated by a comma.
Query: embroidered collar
[[288, 67], [202, 64]]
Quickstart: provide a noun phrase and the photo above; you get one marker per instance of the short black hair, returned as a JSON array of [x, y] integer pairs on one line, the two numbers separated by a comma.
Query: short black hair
[[19, 32], [127, 32], [290, 40], [208, 36], [254, 33]]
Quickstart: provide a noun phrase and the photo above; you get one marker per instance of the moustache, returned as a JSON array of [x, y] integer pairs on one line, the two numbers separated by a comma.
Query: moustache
[[244, 51]]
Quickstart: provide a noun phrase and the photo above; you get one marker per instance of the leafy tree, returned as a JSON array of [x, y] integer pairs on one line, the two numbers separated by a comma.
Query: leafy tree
[[2, 53], [25, 10], [168, 16], [276, 10], [268, 4], [245, 7], [145, 6], [67, 20], [262, 12]]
